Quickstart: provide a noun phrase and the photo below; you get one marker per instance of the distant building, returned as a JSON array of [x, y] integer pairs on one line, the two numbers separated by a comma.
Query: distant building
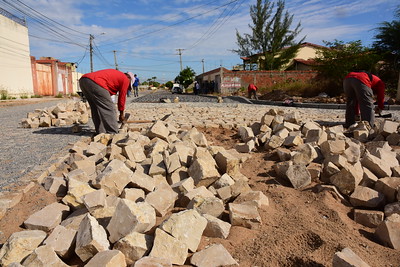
[[303, 60], [22, 74], [15, 66]]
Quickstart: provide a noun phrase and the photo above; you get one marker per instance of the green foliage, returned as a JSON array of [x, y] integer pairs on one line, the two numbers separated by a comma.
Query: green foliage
[[36, 96], [169, 84], [271, 35], [59, 95], [186, 77], [24, 96], [4, 95], [339, 58], [295, 88]]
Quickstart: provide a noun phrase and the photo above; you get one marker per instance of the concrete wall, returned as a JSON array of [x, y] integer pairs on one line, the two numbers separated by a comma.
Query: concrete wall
[[15, 64]]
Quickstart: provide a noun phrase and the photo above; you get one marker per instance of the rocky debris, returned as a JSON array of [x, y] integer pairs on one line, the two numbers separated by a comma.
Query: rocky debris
[[151, 193], [63, 114]]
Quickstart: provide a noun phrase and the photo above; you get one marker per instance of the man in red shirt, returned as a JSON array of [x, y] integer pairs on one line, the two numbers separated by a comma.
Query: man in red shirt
[[98, 87], [252, 90], [360, 88]]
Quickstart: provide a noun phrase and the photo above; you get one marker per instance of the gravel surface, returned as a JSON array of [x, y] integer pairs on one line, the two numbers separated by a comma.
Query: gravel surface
[[27, 152]]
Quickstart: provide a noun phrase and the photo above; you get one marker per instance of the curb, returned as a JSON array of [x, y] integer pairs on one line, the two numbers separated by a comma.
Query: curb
[[303, 105]]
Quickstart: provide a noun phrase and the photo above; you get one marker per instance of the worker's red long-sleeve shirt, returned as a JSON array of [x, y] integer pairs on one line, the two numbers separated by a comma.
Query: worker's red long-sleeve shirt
[[376, 84], [113, 81]]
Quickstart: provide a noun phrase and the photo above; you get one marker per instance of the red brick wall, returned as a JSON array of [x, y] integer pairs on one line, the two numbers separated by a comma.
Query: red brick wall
[[262, 79]]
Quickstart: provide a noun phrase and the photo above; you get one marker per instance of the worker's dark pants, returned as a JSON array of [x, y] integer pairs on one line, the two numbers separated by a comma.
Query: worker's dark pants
[[104, 115], [135, 91], [253, 93], [357, 92]]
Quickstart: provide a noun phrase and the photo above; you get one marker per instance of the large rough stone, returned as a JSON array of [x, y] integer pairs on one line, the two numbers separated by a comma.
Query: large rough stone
[[153, 262], [43, 256], [298, 175], [168, 247], [134, 246], [19, 245], [162, 199], [216, 227], [347, 258], [114, 178], [208, 205], [388, 232], [158, 129], [203, 172], [304, 154], [366, 197], [379, 167], [143, 181], [369, 218], [389, 187], [62, 240], [244, 215], [347, 179], [227, 163], [134, 152], [130, 216], [90, 239], [107, 258], [256, 198], [187, 226], [47, 218], [215, 255]]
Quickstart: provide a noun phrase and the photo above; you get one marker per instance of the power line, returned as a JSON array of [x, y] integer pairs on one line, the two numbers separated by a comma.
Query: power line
[[169, 26]]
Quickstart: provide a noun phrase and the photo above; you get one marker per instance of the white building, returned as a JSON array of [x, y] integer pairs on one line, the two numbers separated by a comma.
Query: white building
[[15, 64]]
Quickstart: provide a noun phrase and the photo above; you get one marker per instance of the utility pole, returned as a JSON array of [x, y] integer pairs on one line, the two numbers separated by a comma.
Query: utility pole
[[202, 61], [180, 56], [115, 60], [91, 37]]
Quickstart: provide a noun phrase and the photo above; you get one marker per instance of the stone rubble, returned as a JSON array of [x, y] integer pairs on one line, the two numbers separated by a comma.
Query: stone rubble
[[147, 195], [63, 114]]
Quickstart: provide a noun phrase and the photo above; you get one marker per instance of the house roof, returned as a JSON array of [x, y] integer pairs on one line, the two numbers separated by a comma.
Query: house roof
[[302, 45]]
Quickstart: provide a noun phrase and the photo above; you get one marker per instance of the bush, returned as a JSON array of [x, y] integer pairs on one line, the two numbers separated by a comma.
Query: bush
[[36, 96], [24, 96], [296, 88], [4, 95], [59, 95]]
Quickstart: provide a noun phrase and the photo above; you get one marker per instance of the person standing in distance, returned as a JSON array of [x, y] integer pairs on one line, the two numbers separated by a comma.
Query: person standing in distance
[[136, 83], [360, 87], [98, 87]]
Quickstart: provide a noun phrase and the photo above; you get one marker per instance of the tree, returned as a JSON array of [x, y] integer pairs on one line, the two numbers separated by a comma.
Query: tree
[[271, 35], [169, 84], [186, 77], [387, 42], [339, 58]]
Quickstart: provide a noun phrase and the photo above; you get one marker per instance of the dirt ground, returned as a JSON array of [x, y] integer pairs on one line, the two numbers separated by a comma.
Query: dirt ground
[[299, 228]]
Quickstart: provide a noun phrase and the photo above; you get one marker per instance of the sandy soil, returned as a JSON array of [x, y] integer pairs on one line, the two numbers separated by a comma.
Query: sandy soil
[[299, 228]]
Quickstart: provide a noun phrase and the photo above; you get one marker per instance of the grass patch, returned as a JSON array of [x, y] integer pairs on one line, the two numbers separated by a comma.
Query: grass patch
[[59, 95], [36, 96]]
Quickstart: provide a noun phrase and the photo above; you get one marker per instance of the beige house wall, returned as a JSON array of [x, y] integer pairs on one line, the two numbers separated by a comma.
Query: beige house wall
[[15, 64]]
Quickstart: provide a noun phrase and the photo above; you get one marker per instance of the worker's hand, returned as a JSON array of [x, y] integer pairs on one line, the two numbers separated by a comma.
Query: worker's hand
[[121, 117], [378, 111]]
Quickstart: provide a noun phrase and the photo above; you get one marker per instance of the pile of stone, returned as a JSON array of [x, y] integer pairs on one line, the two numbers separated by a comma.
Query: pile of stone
[[117, 194], [146, 197], [63, 114], [362, 164]]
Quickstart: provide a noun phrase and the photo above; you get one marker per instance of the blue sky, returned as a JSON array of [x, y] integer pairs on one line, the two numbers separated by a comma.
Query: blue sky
[[144, 36]]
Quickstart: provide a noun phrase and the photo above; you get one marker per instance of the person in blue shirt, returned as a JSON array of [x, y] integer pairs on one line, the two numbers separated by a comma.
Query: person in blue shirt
[[136, 86]]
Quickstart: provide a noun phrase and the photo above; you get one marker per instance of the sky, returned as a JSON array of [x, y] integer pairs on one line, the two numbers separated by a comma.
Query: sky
[[157, 38]]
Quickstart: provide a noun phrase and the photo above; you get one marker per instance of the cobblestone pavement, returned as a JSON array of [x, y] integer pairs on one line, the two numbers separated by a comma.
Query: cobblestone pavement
[[24, 152]]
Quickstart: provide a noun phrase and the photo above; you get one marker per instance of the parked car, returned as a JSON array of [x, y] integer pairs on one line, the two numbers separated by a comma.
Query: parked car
[[177, 89]]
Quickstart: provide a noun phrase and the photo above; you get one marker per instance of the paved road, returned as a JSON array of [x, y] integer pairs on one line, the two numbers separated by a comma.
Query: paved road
[[24, 150]]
